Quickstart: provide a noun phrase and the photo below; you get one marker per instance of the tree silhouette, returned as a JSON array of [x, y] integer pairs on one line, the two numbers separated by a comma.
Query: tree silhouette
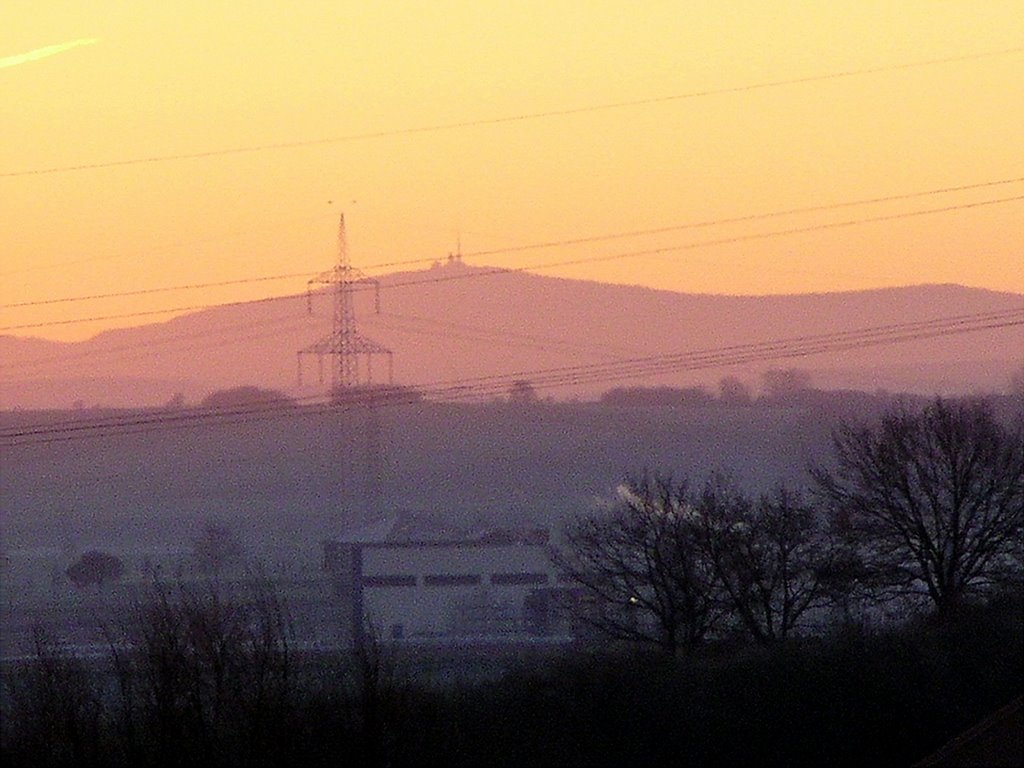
[[772, 558], [933, 500], [94, 567], [641, 570], [204, 673], [733, 391], [787, 384], [246, 397], [1017, 382], [522, 392], [216, 549]]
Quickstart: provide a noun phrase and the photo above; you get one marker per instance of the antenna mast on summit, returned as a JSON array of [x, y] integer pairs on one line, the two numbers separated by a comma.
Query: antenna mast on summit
[[345, 344]]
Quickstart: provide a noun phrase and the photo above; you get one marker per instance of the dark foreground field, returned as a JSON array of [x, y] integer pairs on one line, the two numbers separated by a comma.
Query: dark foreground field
[[856, 698]]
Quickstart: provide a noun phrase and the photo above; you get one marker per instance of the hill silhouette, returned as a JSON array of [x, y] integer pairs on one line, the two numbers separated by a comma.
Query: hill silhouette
[[453, 322]]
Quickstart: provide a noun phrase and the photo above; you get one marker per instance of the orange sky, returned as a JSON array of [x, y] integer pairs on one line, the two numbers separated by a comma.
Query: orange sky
[[188, 77]]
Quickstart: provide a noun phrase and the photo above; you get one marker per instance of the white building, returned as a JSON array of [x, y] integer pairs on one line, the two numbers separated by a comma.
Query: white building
[[498, 588]]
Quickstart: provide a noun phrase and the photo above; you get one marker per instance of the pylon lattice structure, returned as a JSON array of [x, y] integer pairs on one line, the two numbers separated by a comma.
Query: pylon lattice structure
[[345, 344]]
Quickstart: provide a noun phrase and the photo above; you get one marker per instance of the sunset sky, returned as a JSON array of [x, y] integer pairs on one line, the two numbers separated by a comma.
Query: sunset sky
[[395, 113]]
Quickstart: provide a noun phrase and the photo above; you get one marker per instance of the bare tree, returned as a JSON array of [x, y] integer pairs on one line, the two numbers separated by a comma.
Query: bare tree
[[1016, 388], [522, 392], [734, 391], [932, 500], [772, 558], [55, 712], [216, 549], [378, 699], [781, 385], [197, 667], [640, 568]]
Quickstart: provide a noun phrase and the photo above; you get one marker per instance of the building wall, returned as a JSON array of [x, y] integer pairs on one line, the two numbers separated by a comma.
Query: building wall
[[449, 590]]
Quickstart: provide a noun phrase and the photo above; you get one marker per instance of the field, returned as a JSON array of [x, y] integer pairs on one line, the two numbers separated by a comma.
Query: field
[[304, 476]]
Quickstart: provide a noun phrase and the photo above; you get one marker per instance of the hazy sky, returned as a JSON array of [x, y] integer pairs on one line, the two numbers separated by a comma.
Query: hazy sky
[[155, 80]]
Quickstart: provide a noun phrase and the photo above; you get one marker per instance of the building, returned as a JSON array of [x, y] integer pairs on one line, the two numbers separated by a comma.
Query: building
[[500, 587]]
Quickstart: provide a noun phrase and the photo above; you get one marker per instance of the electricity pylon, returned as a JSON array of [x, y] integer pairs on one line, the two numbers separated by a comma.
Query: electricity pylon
[[345, 343]]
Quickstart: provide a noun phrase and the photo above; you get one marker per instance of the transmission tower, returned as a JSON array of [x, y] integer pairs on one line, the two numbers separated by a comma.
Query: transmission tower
[[345, 344]]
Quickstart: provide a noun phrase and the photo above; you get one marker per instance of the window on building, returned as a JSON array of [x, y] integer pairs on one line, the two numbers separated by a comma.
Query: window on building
[[396, 580], [519, 578], [451, 579]]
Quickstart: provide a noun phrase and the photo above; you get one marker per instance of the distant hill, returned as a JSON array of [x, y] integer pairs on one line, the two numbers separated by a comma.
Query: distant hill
[[455, 322]]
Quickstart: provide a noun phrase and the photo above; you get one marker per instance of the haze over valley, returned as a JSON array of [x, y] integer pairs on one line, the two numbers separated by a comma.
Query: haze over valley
[[565, 383], [454, 323]]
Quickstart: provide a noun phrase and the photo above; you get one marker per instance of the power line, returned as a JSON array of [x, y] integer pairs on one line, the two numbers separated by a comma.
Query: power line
[[484, 386], [486, 272], [405, 324], [538, 246], [162, 248], [457, 391], [654, 363], [151, 291], [413, 324], [745, 218], [144, 313], [283, 325], [523, 117], [781, 232]]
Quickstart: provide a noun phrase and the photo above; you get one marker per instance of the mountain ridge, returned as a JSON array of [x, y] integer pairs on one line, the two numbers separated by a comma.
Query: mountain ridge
[[444, 326]]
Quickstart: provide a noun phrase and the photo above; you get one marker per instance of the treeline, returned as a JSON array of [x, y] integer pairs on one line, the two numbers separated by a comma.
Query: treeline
[[791, 386], [786, 386], [201, 687]]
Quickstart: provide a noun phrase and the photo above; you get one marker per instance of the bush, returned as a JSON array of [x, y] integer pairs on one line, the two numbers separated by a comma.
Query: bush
[[95, 567]]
